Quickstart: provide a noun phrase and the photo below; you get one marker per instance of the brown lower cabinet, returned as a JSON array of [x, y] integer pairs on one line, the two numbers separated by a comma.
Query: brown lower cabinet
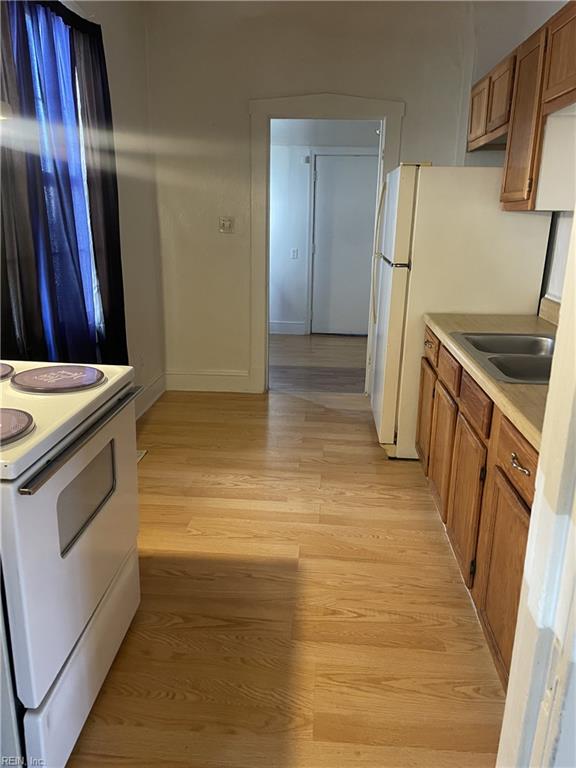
[[441, 444], [481, 471], [425, 408], [505, 521], [465, 498]]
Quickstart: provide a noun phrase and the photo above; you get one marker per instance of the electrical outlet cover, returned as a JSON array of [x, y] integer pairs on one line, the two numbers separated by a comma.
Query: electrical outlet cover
[[226, 225]]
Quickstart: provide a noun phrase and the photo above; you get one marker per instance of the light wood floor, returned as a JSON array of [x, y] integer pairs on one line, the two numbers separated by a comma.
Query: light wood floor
[[317, 363], [301, 607]]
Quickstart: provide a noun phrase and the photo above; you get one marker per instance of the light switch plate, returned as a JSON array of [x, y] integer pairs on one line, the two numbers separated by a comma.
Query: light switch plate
[[226, 225]]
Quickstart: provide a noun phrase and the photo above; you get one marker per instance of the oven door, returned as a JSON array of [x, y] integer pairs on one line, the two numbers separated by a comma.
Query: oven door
[[66, 532]]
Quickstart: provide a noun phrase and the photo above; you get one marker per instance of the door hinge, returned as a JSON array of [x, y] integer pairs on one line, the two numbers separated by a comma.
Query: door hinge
[[483, 474], [313, 249], [472, 568], [529, 186], [315, 175]]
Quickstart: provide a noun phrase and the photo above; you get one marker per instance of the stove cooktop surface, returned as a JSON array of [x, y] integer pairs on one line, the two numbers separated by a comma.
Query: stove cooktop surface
[[59, 399], [58, 379]]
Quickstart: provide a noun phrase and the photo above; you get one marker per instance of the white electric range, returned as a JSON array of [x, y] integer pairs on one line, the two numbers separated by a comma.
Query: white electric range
[[68, 527]]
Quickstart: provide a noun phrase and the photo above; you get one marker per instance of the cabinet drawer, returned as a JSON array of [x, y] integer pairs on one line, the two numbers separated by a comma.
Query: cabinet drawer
[[476, 404], [449, 371], [431, 346], [518, 460]]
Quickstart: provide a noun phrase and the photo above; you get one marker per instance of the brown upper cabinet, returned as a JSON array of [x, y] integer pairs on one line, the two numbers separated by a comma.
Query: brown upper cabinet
[[490, 103], [513, 101], [523, 134], [560, 70], [478, 113], [500, 94]]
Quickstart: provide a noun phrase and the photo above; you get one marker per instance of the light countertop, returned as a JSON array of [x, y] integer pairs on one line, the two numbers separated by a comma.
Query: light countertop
[[522, 404]]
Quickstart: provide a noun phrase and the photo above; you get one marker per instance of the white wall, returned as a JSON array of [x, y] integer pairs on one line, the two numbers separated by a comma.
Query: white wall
[[289, 221], [325, 133], [124, 32], [206, 61], [500, 26]]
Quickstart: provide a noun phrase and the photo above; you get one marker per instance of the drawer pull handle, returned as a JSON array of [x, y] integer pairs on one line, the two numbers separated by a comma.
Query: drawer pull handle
[[516, 464], [428, 344]]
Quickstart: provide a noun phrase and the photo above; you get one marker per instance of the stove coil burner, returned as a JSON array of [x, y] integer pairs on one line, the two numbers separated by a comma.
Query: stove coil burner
[[58, 379], [5, 371], [14, 424]]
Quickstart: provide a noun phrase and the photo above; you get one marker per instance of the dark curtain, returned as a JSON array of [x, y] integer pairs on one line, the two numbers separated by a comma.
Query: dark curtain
[[71, 288], [22, 329], [102, 187]]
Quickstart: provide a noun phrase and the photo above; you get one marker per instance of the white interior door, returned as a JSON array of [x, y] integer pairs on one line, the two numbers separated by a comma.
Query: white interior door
[[344, 210]]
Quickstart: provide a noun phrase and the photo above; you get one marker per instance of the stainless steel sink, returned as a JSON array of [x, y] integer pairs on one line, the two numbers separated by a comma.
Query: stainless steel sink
[[530, 368], [511, 343], [512, 357]]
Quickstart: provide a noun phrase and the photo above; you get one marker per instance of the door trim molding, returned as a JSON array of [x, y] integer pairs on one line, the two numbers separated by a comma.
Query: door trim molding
[[323, 106]]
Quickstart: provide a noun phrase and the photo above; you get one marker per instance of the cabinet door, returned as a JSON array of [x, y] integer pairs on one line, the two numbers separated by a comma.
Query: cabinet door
[[441, 443], [560, 71], [523, 134], [508, 518], [465, 498], [425, 406], [500, 94], [478, 110]]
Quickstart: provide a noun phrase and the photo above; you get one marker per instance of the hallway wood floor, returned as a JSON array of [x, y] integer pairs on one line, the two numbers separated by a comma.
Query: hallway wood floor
[[317, 363], [301, 607]]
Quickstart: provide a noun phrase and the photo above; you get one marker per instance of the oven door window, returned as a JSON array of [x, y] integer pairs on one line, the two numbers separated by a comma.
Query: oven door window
[[84, 497]]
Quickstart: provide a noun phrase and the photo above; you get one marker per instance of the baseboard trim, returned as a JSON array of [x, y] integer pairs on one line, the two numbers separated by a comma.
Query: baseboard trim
[[149, 395], [210, 381], [292, 327]]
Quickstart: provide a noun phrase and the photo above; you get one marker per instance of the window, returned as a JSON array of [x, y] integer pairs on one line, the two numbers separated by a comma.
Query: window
[[62, 264]]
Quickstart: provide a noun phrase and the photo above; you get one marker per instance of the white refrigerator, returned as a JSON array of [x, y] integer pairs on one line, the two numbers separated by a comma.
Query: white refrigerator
[[442, 245]]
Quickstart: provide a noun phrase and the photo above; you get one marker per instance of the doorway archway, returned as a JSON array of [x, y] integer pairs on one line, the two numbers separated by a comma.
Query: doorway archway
[[312, 106]]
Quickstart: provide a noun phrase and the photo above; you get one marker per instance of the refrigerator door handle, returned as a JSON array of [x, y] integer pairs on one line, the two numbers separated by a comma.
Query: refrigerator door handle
[[386, 260], [377, 253]]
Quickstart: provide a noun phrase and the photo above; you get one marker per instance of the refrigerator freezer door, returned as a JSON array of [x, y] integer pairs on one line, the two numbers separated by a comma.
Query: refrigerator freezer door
[[393, 283], [396, 232], [392, 278]]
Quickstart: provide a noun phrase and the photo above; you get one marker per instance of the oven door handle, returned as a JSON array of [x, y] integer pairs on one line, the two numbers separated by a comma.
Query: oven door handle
[[35, 483]]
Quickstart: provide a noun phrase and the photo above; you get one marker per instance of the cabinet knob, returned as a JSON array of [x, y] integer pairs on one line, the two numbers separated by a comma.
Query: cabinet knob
[[516, 464], [428, 344]]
